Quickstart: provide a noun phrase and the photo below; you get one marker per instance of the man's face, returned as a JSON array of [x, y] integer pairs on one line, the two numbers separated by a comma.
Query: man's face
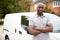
[[40, 8]]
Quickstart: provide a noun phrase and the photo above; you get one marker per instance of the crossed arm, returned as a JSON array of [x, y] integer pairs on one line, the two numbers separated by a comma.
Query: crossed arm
[[33, 31], [38, 30], [48, 28]]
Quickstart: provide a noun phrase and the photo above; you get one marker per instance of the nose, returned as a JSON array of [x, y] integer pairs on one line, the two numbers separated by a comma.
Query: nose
[[40, 8]]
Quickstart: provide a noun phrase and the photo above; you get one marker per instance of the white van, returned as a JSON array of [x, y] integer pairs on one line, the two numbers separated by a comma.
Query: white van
[[16, 29]]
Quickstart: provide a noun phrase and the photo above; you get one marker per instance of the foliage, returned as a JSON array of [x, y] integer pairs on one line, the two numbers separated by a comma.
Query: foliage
[[24, 5], [13, 6], [47, 10]]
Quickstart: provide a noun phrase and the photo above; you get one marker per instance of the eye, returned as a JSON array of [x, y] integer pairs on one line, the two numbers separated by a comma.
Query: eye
[[41, 7]]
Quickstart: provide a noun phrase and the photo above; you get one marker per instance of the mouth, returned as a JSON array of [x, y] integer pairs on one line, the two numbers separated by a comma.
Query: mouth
[[40, 11]]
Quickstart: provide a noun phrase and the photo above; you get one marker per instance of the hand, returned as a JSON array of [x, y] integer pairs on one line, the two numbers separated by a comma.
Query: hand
[[35, 32], [38, 28]]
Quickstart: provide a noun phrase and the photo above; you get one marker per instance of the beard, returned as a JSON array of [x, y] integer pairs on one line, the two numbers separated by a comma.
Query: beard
[[40, 12]]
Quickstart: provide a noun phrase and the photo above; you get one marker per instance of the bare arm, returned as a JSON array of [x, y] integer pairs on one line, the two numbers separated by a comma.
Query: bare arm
[[33, 31], [48, 28]]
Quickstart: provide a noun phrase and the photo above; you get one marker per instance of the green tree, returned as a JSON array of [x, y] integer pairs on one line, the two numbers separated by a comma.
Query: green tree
[[23, 5], [47, 10], [13, 6]]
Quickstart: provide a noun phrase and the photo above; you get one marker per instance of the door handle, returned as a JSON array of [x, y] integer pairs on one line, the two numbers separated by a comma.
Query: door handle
[[15, 30], [20, 32]]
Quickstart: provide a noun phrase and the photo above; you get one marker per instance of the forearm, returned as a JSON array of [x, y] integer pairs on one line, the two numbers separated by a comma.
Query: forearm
[[47, 29], [44, 30], [34, 32]]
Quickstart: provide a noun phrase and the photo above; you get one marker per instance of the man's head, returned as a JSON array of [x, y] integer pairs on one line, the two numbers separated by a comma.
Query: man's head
[[40, 8]]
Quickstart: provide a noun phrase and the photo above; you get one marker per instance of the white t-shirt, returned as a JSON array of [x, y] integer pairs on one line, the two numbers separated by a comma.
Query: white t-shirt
[[38, 21]]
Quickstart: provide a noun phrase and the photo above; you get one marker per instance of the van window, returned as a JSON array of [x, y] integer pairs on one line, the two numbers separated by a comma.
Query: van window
[[24, 23]]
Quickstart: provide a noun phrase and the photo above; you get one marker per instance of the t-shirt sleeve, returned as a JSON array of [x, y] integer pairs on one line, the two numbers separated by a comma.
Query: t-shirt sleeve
[[49, 21], [30, 21]]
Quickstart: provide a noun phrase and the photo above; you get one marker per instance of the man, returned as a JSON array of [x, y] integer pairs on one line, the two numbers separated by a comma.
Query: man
[[40, 25]]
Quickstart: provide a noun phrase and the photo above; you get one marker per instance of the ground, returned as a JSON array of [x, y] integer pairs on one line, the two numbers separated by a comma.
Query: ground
[[1, 32]]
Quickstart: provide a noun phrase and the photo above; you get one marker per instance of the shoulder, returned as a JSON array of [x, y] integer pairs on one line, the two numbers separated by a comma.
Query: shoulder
[[46, 15], [32, 18]]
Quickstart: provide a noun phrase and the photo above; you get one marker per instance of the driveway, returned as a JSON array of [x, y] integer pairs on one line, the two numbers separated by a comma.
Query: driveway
[[1, 32]]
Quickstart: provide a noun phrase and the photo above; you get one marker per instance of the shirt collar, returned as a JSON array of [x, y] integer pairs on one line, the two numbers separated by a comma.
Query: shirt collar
[[40, 16]]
